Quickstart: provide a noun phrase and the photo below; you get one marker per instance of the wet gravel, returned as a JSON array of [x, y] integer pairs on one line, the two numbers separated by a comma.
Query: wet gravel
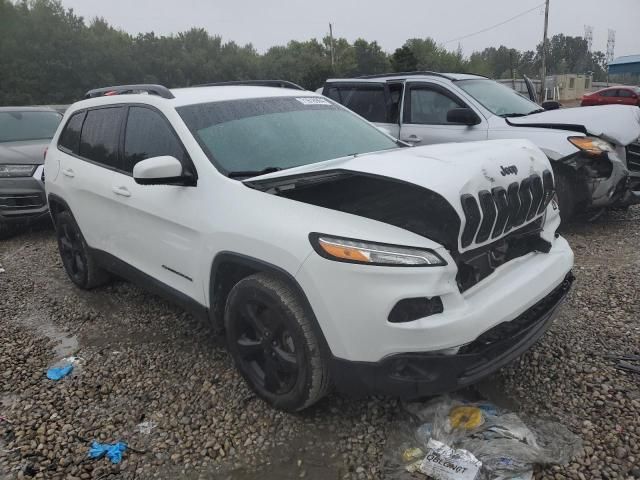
[[144, 360]]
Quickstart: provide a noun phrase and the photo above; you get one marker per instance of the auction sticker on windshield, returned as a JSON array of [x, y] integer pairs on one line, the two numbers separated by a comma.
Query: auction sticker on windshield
[[312, 101]]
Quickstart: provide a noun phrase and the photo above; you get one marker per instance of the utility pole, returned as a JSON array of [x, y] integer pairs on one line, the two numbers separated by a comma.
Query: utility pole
[[331, 46], [543, 70]]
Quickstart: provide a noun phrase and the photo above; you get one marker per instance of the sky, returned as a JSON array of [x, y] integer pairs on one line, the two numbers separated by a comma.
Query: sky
[[268, 23]]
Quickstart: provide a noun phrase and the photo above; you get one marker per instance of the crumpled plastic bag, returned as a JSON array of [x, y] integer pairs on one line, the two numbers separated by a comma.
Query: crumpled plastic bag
[[63, 368], [57, 373], [507, 444], [113, 451]]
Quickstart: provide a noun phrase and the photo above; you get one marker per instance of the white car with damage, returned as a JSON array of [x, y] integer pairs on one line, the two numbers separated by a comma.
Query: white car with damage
[[328, 253], [594, 151]]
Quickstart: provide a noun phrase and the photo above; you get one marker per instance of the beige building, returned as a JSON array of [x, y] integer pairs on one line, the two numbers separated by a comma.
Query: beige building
[[569, 86]]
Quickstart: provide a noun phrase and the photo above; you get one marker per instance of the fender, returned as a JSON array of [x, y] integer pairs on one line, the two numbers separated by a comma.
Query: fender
[[240, 266]]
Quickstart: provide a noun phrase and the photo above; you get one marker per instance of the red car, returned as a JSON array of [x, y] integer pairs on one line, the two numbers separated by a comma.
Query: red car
[[613, 96]]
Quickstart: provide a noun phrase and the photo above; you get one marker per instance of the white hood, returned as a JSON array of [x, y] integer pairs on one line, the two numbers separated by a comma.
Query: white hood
[[451, 169], [619, 124]]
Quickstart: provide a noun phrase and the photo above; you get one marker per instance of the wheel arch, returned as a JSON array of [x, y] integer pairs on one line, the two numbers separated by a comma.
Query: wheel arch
[[228, 268], [56, 205]]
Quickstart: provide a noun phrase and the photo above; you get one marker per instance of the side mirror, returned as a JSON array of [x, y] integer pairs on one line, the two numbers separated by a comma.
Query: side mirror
[[164, 170], [464, 116], [551, 105]]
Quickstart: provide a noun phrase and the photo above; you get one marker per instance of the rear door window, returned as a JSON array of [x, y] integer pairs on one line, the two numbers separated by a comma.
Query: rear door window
[[70, 136], [148, 135], [368, 101], [609, 93], [100, 136], [625, 93]]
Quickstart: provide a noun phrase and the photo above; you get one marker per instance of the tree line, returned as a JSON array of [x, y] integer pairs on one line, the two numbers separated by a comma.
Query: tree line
[[50, 55]]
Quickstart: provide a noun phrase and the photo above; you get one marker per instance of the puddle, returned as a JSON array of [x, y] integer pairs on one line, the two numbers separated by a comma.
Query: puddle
[[65, 344]]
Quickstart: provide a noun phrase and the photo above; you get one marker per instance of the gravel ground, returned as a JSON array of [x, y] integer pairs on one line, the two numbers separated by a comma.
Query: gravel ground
[[146, 360]]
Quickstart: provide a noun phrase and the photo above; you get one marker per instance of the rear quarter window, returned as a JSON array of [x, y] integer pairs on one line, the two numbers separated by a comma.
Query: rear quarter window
[[100, 136], [70, 137]]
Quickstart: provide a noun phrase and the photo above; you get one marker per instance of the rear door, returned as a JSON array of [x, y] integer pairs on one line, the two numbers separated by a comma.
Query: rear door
[[158, 230], [608, 97], [89, 162], [424, 116], [376, 101], [626, 97]]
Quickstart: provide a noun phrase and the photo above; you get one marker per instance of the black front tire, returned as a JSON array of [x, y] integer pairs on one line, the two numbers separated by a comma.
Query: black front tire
[[566, 191], [82, 268], [273, 344]]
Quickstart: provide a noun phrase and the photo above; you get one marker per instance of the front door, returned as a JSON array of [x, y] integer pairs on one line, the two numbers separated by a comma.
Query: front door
[[158, 227], [425, 116]]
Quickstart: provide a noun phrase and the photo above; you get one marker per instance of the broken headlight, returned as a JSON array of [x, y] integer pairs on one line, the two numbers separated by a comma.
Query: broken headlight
[[592, 145], [358, 251]]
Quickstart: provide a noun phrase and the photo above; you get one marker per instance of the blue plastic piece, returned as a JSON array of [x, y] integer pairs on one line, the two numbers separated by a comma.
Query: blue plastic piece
[[57, 373], [113, 451]]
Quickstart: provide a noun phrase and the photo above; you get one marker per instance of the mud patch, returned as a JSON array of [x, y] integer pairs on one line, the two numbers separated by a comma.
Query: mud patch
[[64, 344]]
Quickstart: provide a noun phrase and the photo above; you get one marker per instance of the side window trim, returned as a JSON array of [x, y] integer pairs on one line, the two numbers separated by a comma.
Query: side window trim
[[190, 166], [410, 86]]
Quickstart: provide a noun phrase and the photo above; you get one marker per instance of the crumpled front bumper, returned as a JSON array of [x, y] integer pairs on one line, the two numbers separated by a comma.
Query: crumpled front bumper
[[598, 189], [414, 375]]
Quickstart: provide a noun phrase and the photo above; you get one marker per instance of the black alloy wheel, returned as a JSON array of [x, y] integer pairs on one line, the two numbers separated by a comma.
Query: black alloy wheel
[[273, 343]]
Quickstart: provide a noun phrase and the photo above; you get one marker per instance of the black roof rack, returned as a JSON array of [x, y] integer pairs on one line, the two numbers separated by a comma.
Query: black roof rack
[[255, 83], [406, 74], [159, 90]]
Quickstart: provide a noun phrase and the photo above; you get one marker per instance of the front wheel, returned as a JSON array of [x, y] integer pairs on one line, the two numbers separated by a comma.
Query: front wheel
[[272, 342]]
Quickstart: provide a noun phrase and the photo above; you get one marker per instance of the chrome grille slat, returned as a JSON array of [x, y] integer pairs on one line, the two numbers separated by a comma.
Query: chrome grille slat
[[492, 214], [488, 208]]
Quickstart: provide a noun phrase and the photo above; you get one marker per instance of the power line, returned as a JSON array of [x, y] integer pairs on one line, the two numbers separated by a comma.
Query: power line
[[494, 26]]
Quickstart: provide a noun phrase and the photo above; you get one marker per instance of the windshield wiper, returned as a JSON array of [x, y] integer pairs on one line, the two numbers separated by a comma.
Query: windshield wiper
[[537, 110], [511, 115], [253, 173]]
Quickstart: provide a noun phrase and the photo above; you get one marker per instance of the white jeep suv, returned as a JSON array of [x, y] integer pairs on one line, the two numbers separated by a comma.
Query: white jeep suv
[[328, 253]]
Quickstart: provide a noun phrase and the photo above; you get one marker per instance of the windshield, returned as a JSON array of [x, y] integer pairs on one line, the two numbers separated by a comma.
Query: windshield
[[268, 134], [499, 99], [20, 126]]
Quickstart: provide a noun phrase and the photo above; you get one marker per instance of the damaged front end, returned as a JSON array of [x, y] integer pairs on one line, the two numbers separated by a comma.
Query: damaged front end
[[519, 214], [600, 180]]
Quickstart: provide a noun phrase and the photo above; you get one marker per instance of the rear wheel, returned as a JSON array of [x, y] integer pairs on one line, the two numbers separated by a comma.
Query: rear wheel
[[78, 261], [273, 345]]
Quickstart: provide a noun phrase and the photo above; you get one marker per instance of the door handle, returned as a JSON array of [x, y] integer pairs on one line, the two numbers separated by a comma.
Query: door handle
[[67, 172], [123, 191], [412, 139]]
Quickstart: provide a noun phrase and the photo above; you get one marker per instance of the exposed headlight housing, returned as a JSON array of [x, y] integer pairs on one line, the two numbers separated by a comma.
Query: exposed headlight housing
[[592, 145], [371, 253], [10, 171]]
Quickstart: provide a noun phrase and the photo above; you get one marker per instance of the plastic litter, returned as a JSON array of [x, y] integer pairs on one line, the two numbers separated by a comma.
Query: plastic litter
[[445, 463], [146, 427], [113, 451], [507, 445], [63, 368], [57, 373]]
